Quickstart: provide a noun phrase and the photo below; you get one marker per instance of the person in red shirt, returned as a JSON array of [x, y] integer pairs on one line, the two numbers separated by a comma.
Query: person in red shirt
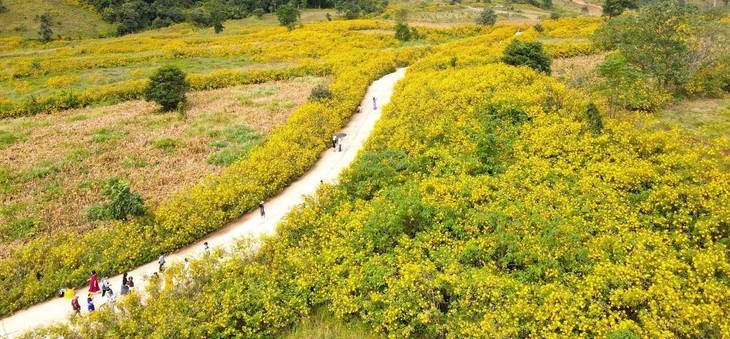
[[75, 304]]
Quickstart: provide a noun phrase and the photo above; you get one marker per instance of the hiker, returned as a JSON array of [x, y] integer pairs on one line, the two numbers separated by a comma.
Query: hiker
[[161, 261], [375, 104], [75, 304], [90, 301], [334, 141], [261, 209], [206, 249], [339, 144], [93, 283], [69, 292], [124, 290], [124, 279], [105, 286], [359, 108], [130, 282]]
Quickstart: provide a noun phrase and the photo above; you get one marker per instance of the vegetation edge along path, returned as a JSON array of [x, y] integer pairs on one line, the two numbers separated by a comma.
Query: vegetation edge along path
[[327, 169]]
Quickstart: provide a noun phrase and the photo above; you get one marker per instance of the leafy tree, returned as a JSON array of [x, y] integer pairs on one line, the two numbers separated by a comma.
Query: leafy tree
[[288, 16], [619, 79], [402, 32], [612, 8], [167, 87], [655, 40], [200, 17], [259, 13], [487, 17], [121, 202], [529, 54], [217, 16], [44, 28]]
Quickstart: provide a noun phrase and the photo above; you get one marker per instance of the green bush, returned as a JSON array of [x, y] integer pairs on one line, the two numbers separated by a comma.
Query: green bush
[[121, 202], [402, 32], [487, 17], [319, 93], [167, 87], [528, 54]]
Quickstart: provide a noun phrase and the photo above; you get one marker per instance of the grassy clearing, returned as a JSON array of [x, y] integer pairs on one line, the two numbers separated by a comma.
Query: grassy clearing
[[323, 325], [54, 165], [578, 72], [705, 119], [68, 21]]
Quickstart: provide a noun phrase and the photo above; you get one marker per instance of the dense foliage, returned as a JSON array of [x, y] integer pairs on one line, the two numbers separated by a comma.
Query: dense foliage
[[671, 46], [484, 205], [136, 15], [167, 87]]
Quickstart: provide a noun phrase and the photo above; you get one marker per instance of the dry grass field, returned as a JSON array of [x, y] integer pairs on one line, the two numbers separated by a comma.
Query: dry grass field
[[55, 165]]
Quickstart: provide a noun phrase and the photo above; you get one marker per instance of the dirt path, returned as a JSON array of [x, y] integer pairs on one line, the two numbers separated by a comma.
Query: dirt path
[[327, 169]]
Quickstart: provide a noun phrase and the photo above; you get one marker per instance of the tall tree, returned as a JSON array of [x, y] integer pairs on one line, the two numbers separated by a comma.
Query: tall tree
[[612, 8], [487, 17], [44, 27], [167, 87], [654, 40], [288, 15]]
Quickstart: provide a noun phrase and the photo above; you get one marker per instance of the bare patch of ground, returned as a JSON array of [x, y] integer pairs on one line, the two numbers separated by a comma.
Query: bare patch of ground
[[54, 166]]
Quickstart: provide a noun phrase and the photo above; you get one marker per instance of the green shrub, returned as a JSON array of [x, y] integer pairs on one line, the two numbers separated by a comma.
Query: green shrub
[[487, 17], [528, 54], [121, 202], [167, 87], [402, 32], [595, 123], [319, 93]]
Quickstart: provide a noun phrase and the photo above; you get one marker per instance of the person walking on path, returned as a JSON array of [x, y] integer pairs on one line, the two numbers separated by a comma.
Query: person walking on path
[[75, 304], [375, 104], [130, 282], [261, 209], [93, 283], [105, 286], [161, 261], [124, 279], [206, 249], [339, 144], [90, 301], [334, 141]]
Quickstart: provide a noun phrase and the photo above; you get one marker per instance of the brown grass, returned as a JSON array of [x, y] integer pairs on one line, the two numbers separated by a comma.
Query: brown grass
[[70, 143], [578, 72]]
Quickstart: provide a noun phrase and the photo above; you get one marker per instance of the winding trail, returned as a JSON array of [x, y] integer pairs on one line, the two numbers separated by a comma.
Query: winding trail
[[327, 169]]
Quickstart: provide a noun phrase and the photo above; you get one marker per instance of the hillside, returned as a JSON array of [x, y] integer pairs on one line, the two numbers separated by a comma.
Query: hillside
[[533, 177], [68, 21]]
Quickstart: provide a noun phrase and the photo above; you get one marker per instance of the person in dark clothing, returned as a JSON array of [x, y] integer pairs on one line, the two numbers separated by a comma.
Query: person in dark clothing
[[261, 209]]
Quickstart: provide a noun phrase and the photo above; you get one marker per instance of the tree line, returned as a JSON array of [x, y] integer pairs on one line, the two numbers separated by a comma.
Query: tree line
[[137, 15]]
